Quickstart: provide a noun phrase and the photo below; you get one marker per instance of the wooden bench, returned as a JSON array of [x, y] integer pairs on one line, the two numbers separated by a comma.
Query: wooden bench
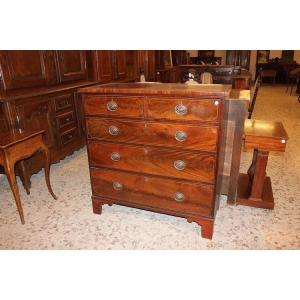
[[254, 188]]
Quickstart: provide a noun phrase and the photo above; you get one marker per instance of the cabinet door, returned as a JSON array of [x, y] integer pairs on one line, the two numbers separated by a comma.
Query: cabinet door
[[71, 65], [105, 65], [22, 69], [37, 114], [151, 65], [3, 121], [120, 64]]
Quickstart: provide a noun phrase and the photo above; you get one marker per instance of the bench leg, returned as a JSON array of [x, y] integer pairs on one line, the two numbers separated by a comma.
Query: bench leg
[[9, 168]]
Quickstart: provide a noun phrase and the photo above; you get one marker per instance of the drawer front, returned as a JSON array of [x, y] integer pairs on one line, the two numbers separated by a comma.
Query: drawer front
[[152, 133], [178, 164], [63, 102], [65, 119], [114, 106], [69, 136], [184, 110], [153, 192]]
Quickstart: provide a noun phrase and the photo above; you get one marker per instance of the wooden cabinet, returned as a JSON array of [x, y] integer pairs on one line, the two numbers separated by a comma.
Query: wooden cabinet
[[104, 65], [36, 114], [156, 151], [25, 69], [120, 58], [71, 65]]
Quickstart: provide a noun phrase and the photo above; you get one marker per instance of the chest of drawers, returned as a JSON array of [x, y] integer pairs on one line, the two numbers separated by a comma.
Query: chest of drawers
[[156, 147]]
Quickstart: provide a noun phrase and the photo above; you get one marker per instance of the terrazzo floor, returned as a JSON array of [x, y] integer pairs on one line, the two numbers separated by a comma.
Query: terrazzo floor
[[68, 223]]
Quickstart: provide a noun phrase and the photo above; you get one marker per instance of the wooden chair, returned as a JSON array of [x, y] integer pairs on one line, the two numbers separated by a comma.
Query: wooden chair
[[293, 78], [253, 96], [268, 74], [17, 146], [206, 78]]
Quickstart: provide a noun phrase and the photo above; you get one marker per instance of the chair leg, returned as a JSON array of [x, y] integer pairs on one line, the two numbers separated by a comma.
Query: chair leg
[[46, 151], [9, 168]]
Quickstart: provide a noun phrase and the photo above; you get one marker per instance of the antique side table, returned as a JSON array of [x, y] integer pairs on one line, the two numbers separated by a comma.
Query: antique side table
[[16, 146]]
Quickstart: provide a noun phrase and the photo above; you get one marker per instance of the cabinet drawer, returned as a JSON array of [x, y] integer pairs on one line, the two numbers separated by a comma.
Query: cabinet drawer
[[184, 110], [194, 198], [154, 133], [63, 101], [170, 163], [114, 106], [65, 119], [69, 136]]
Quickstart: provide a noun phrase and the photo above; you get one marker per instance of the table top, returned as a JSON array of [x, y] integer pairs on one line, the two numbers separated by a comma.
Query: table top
[[9, 138], [157, 88], [267, 129]]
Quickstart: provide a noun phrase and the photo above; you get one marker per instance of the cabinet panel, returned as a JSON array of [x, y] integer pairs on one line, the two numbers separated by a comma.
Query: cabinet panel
[[105, 65], [3, 121], [38, 115], [120, 64], [71, 65], [22, 69]]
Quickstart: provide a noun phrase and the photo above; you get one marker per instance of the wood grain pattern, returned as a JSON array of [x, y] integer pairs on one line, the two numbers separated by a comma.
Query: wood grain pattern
[[155, 192], [199, 166], [154, 133], [197, 110], [126, 106]]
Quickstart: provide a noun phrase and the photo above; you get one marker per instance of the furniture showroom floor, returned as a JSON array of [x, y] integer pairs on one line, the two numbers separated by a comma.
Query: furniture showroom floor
[[68, 223]]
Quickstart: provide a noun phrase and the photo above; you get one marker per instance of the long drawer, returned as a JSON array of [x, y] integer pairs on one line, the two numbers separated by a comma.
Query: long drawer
[[178, 164], [112, 106], [183, 109], [193, 198], [154, 133]]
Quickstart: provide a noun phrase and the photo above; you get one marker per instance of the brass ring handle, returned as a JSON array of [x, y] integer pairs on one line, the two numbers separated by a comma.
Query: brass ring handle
[[179, 197], [180, 136], [112, 105], [117, 186], [113, 130], [115, 156], [179, 165], [180, 110]]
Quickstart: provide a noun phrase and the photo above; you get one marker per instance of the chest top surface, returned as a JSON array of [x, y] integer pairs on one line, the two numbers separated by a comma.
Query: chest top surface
[[156, 88]]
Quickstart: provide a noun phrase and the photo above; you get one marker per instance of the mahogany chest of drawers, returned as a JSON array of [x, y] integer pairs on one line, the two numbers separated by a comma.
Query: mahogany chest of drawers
[[156, 146]]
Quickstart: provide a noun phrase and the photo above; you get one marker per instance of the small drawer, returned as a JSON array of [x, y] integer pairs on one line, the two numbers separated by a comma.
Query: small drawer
[[206, 110], [179, 164], [63, 101], [147, 191], [113, 106], [68, 136], [153, 133], [65, 119]]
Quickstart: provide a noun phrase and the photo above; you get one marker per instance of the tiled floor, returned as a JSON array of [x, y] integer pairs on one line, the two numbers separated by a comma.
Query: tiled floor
[[69, 223]]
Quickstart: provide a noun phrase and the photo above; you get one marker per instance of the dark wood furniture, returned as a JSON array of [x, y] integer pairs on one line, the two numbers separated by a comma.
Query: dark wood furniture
[[254, 188], [238, 58], [293, 77], [222, 74], [17, 146], [268, 74], [38, 91], [158, 147]]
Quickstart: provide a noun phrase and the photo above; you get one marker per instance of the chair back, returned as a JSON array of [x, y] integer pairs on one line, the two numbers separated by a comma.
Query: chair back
[[254, 95], [206, 78]]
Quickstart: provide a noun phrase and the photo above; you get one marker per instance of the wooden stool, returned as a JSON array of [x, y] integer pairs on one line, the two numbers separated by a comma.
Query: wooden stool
[[18, 146], [254, 188]]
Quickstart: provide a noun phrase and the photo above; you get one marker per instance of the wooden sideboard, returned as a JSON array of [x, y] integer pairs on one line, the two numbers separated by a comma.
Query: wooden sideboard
[[160, 147]]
